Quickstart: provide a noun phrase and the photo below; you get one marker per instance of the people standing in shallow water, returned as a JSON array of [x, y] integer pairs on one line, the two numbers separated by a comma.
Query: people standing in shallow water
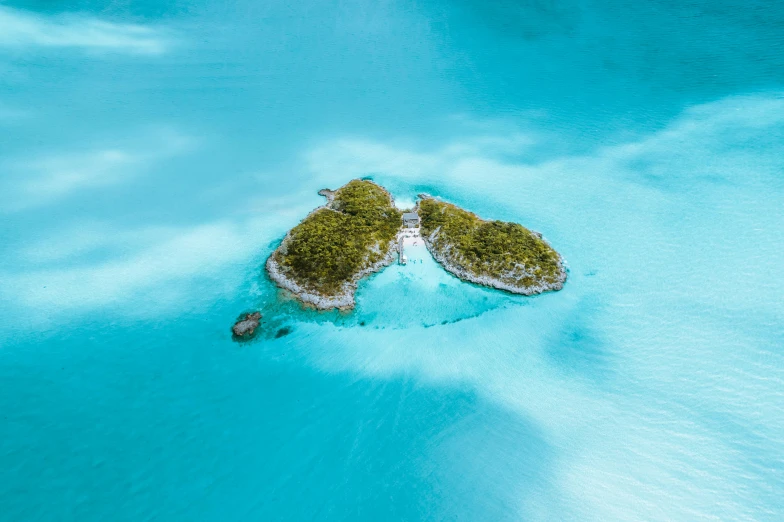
[[359, 229]]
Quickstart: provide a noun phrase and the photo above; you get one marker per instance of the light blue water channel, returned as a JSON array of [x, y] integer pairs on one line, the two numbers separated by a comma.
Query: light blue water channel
[[153, 155]]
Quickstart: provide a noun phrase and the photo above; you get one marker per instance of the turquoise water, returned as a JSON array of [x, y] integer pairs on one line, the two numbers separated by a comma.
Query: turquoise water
[[154, 154]]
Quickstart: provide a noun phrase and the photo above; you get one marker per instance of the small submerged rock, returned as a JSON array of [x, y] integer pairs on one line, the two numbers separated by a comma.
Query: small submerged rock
[[283, 332], [246, 325]]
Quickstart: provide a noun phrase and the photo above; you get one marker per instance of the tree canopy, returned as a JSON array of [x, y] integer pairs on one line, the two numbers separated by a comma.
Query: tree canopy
[[333, 244], [497, 249]]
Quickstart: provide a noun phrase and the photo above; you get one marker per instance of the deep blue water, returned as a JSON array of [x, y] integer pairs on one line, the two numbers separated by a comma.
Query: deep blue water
[[154, 153]]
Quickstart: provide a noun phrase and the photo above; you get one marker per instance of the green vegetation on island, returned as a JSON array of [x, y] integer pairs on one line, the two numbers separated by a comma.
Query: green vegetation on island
[[493, 253], [322, 258], [359, 229]]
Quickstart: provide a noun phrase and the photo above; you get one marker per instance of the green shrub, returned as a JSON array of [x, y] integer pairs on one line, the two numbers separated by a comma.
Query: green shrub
[[332, 245], [488, 248]]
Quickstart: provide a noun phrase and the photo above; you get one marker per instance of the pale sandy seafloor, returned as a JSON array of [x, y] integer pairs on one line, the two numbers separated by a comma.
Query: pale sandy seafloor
[[151, 165]]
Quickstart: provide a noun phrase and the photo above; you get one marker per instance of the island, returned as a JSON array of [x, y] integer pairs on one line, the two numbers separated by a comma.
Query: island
[[498, 254], [246, 325], [359, 230], [354, 234]]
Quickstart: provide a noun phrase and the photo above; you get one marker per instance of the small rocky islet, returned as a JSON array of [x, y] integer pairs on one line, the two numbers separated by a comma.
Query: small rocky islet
[[322, 259], [245, 326]]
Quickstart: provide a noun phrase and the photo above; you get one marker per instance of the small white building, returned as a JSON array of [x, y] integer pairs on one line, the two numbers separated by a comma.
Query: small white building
[[411, 220]]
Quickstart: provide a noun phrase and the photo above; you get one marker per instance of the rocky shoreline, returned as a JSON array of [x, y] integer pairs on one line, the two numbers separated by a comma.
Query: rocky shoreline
[[464, 275], [438, 247], [342, 301]]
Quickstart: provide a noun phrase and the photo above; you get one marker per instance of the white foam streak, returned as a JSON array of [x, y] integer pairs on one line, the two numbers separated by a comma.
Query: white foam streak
[[24, 30], [42, 180]]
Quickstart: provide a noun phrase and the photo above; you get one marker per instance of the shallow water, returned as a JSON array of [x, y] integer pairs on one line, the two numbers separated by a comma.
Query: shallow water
[[149, 167]]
